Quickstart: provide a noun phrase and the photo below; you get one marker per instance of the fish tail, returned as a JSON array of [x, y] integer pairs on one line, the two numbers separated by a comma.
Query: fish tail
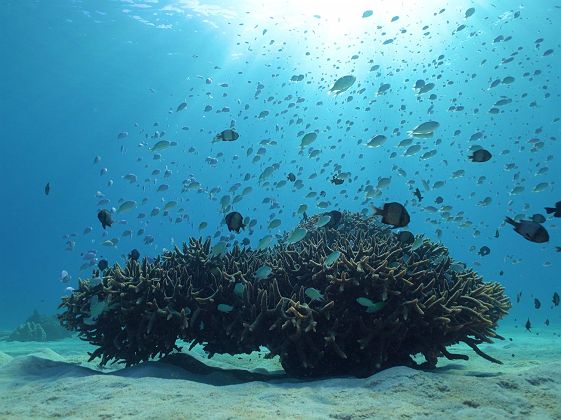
[[510, 221], [377, 211], [550, 210]]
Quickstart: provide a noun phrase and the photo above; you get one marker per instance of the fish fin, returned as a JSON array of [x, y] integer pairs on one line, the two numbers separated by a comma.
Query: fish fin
[[377, 211], [550, 210], [510, 221]]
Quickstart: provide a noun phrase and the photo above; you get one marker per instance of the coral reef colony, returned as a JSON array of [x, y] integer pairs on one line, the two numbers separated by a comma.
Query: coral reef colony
[[341, 294], [38, 328]]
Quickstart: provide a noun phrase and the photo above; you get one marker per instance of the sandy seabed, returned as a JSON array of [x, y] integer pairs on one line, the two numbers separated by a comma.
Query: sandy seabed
[[54, 379]]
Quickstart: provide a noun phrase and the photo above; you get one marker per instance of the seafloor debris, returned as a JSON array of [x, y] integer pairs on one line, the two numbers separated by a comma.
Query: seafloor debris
[[374, 306]]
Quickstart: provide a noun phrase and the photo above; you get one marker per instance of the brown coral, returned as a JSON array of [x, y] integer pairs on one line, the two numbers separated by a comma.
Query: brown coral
[[191, 294]]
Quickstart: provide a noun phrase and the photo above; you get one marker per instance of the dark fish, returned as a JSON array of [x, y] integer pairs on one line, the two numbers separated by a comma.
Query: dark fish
[[484, 250], [291, 177], [555, 299], [518, 297], [497, 233], [234, 221], [439, 200], [558, 249], [555, 210], [532, 231], [417, 194], [134, 254], [47, 188], [537, 303], [181, 106], [336, 217], [393, 214], [104, 217], [304, 216], [538, 218], [336, 180], [227, 135], [546, 322], [528, 325], [102, 264], [480, 155], [405, 237]]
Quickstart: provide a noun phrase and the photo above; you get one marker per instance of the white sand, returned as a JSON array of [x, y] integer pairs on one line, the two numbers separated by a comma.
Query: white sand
[[40, 380]]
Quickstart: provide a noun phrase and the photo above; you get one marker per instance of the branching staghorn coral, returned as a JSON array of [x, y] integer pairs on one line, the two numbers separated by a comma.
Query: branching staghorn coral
[[376, 305]]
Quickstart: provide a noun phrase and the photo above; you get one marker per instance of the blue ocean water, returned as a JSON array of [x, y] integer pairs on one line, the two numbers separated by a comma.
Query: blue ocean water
[[76, 74]]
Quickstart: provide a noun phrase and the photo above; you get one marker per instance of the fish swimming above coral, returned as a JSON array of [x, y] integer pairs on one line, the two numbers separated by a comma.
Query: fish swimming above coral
[[529, 230], [227, 136], [181, 107], [342, 84], [538, 218], [234, 221], [336, 180], [484, 250], [134, 254], [105, 218], [308, 139], [425, 129], [556, 211], [480, 156], [102, 264], [405, 237], [393, 214]]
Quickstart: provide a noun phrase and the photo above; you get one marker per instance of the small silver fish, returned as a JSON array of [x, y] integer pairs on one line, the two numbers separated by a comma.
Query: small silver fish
[[371, 307], [296, 236], [263, 272], [314, 293], [225, 308], [331, 258]]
